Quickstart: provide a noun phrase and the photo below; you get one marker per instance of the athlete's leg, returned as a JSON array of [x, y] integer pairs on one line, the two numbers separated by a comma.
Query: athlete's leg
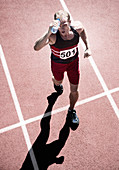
[[58, 70], [58, 86], [71, 116], [73, 75], [57, 82], [73, 97]]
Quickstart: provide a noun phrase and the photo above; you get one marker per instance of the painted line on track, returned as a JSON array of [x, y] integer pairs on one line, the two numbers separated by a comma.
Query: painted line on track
[[23, 122], [96, 70], [37, 118], [18, 109]]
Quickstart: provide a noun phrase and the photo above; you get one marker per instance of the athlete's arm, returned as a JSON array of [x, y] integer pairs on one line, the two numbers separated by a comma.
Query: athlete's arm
[[82, 32], [44, 40], [47, 38], [84, 37]]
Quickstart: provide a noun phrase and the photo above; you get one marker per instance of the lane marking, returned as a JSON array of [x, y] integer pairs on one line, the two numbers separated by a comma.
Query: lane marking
[[17, 106], [105, 88], [84, 101], [96, 70]]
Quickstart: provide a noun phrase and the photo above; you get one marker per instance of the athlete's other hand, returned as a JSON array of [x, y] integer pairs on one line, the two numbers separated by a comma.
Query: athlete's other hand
[[87, 53]]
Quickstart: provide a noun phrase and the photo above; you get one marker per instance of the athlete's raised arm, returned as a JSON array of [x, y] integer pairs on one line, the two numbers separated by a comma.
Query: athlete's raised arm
[[47, 38]]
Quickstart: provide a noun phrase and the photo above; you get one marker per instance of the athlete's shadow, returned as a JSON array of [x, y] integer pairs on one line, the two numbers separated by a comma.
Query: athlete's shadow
[[46, 154]]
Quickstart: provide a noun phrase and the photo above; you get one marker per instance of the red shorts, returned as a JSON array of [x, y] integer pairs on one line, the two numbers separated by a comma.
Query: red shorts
[[72, 70]]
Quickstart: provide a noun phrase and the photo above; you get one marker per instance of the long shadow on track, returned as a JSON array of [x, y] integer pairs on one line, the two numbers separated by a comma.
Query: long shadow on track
[[46, 154]]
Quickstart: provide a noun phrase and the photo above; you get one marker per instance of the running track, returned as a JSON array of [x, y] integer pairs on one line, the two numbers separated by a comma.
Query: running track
[[25, 83]]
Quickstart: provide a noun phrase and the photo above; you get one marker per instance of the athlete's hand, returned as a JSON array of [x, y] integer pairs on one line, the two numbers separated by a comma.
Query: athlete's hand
[[87, 53], [53, 23]]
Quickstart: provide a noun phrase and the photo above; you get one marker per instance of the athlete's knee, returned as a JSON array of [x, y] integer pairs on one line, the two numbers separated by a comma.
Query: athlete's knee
[[74, 91], [73, 88], [56, 82]]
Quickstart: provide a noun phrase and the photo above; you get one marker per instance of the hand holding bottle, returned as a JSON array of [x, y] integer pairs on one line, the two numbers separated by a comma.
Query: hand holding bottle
[[54, 26]]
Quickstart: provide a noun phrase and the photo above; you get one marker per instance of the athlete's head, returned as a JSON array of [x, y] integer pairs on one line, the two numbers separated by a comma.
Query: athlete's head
[[62, 14], [64, 21]]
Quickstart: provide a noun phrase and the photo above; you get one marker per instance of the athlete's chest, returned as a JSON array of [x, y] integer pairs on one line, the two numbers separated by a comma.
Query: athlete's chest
[[65, 49], [68, 36], [62, 43]]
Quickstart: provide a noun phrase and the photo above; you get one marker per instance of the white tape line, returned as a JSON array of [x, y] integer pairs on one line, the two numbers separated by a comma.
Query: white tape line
[[57, 110], [17, 106]]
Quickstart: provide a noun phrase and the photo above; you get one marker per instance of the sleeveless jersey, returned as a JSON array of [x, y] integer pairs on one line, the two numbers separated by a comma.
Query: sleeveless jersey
[[65, 51]]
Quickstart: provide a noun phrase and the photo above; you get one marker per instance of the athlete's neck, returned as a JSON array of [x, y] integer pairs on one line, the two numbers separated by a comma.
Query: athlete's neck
[[67, 36]]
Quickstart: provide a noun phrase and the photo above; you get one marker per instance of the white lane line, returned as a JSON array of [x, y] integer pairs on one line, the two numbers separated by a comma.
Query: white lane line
[[57, 110], [105, 88], [99, 76], [65, 7], [17, 106]]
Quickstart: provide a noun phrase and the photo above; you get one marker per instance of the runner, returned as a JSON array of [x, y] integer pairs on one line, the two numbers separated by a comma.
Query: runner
[[64, 55]]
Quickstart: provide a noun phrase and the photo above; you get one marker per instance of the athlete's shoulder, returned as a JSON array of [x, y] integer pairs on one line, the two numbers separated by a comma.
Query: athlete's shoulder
[[78, 26]]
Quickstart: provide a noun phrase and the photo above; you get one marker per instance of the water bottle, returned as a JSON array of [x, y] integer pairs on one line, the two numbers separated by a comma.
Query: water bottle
[[54, 29]]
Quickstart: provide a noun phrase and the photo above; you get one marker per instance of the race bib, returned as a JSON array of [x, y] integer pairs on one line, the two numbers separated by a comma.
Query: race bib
[[65, 54]]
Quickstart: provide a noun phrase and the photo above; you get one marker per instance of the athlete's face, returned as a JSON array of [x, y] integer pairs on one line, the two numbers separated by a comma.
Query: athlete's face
[[64, 26]]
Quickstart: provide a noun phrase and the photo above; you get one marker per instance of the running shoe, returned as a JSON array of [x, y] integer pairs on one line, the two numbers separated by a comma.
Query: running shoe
[[73, 119]]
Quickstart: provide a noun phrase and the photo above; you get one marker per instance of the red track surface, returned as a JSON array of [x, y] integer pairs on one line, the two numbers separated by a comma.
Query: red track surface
[[95, 144]]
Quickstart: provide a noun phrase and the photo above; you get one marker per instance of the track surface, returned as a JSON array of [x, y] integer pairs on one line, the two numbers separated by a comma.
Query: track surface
[[95, 144]]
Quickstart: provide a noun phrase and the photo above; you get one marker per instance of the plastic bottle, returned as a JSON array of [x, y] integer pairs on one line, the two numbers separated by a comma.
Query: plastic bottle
[[54, 29]]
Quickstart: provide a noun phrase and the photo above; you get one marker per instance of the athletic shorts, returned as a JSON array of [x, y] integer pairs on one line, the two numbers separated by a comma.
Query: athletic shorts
[[72, 70]]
